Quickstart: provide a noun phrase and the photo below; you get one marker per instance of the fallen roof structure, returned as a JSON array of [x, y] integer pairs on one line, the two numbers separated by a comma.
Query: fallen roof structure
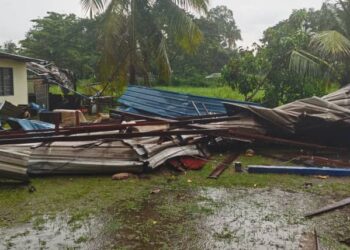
[[92, 149], [18, 57], [53, 75], [135, 142], [91, 157], [150, 101], [304, 119]]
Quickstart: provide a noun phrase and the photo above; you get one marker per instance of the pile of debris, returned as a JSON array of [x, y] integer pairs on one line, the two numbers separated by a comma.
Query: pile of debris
[[323, 120], [138, 140]]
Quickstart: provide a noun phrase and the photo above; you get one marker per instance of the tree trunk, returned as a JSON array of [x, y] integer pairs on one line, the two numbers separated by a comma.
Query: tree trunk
[[132, 68], [132, 73]]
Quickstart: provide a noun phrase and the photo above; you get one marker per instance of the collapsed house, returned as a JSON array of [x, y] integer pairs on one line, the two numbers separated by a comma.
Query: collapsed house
[[25, 80], [136, 139], [323, 120], [19, 161]]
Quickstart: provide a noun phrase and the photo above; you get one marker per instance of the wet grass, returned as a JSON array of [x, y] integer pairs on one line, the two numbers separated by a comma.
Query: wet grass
[[89, 195], [127, 208]]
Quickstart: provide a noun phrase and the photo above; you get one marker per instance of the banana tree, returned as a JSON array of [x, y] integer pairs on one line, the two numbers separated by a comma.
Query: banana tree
[[133, 36]]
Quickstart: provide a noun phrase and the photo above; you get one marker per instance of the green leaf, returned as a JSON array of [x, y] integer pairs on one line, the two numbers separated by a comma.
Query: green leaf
[[331, 44]]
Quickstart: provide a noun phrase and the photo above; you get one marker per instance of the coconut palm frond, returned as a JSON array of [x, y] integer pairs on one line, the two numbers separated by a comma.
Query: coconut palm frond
[[305, 63], [93, 7], [331, 44], [200, 6], [187, 33]]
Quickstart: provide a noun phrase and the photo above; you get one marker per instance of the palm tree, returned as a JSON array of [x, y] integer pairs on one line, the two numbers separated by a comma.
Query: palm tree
[[327, 48], [134, 35]]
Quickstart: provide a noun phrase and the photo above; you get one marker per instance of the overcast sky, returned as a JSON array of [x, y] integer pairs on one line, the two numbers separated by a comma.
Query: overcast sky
[[252, 16]]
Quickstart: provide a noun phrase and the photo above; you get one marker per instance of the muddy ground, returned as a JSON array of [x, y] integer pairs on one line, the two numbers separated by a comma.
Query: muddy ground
[[169, 210]]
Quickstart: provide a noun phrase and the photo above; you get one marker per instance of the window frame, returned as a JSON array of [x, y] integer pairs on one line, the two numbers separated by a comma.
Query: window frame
[[6, 80]]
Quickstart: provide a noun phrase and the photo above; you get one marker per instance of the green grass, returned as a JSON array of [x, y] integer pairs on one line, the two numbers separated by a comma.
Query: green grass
[[128, 208], [217, 92], [83, 196]]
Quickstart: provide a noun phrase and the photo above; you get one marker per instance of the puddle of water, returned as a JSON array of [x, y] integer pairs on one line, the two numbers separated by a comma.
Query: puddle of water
[[48, 233], [254, 219], [226, 219]]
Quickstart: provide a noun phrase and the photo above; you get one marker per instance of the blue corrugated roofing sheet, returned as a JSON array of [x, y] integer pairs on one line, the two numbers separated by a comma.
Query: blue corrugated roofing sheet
[[142, 100]]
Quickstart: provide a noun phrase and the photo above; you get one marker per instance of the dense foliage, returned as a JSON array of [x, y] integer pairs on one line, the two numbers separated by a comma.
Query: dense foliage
[[77, 43], [67, 40], [134, 37], [161, 42], [220, 34], [268, 66], [247, 72], [9, 47]]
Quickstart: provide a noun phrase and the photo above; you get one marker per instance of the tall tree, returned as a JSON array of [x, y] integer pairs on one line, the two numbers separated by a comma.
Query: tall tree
[[9, 47], [220, 34], [68, 41], [329, 48], [267, 67], [223, 18], [134, 36]]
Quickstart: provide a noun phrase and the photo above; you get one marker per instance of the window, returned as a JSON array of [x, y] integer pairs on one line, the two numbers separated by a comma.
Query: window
[[6, 81]]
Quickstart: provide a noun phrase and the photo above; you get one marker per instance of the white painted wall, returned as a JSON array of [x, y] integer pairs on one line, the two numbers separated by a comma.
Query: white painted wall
[[20, 83]]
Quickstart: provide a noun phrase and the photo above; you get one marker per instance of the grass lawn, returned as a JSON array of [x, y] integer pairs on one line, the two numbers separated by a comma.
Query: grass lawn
[[127, 214], [217, 92]]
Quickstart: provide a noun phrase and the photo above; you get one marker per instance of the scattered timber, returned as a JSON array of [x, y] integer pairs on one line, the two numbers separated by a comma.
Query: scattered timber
[[112, 135], [223, 165], [329, 208], [317, 240]]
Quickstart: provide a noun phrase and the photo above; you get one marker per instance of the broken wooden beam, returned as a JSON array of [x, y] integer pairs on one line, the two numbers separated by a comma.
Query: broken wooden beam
[[280, 141], [322, 161], [329, 208], [317, 240], [112, 136], [223, 165]]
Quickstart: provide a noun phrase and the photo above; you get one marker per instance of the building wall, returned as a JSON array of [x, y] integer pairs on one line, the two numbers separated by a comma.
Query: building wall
[[20, 84]]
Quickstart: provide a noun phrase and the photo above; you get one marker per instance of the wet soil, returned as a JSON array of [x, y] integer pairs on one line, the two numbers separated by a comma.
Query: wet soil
[[255, 219], [202, 218], [59, 232]]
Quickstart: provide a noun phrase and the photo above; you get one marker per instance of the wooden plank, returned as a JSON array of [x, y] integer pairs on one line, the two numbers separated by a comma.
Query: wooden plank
[[329, 208], [223, 165]]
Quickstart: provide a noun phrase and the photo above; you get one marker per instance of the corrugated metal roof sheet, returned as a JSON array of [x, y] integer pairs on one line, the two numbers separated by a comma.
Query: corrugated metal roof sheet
[[142, 100], [27, 125], [18, 57]]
